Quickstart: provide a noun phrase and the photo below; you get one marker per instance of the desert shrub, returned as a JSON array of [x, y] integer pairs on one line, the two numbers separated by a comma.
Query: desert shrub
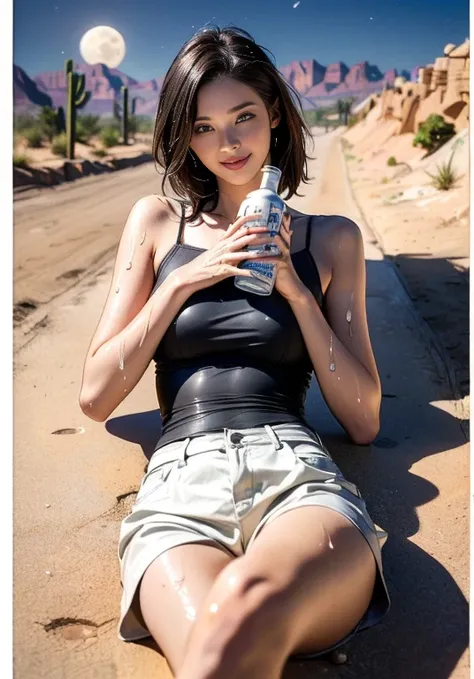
[[433, 133], [352, 120], [100, 153], [144, 124], [21, 160], [109, 136], [48, 123], [59, 145], [132, 125], [392, 161], [110, 124], [87, 126], [385, 180], [34, 137], [445, 176], [24, 121]]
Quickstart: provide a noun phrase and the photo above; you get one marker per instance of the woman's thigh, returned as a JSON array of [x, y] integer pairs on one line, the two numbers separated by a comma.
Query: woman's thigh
[[324, 571], [171, 593]]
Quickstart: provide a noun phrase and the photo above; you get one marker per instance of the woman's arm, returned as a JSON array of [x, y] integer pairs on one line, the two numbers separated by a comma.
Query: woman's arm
[[339, 348], [132, 323]]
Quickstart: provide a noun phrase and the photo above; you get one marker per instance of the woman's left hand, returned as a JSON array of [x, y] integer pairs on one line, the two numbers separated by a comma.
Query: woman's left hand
[[287, 281]]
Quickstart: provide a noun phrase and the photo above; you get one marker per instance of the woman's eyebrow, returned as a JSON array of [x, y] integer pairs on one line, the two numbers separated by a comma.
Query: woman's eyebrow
[[232, 110]]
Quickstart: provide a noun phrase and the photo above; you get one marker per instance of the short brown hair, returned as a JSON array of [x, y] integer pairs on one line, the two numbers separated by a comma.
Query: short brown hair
[[210, 54]]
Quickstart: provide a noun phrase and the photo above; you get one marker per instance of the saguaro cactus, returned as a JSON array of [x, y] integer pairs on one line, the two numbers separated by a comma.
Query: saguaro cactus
[[77, 97], [121, 112], [124, 91], [134, 104], [60, 120]]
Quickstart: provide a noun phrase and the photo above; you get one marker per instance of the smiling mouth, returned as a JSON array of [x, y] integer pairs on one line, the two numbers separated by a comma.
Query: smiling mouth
[[237, 162]]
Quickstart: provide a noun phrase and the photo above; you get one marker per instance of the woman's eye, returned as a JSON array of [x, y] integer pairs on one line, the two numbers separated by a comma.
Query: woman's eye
[[242, 115]]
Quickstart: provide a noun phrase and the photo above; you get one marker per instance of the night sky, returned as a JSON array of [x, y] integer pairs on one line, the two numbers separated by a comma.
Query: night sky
[[389, 34]]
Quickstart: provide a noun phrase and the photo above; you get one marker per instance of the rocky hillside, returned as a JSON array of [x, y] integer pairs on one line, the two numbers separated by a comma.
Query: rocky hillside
[[317, 84]]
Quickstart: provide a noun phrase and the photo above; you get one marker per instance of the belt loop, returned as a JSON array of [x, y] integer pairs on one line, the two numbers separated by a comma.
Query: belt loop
[[273, 436], [183, 452]]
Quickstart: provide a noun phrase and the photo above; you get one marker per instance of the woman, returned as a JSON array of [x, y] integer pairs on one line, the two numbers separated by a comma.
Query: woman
[[214, 565]]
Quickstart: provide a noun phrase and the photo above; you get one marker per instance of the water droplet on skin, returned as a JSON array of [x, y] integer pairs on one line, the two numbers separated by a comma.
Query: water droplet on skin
[[332, 367], [129, 266], [117, 289], [213, 608], [121, 355], [143, 238]]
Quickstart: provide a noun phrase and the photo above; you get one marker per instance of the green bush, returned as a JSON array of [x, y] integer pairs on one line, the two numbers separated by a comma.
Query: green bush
[[23, 122], [21, 160], [445, 177], [433, 133], [111, 124], [47, 122], [59, 145], [87, 126], [100, 153], [144, 124], [392, 161], [34, 137], [109, 136]]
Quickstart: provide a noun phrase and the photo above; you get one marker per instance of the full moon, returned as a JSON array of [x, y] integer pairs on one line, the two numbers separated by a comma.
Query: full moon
[[102, 45]]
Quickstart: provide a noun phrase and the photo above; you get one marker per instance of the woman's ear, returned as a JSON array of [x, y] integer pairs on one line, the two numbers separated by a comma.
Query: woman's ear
[[275, 113]]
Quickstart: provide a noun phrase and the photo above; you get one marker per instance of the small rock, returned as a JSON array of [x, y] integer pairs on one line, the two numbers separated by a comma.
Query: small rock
[[48, 572], [48, 505]]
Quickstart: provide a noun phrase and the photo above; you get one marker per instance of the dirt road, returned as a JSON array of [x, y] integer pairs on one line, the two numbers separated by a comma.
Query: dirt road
[[74, 479]]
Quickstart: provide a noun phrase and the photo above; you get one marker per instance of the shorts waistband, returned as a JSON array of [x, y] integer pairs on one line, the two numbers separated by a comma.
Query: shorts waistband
[[184, 448]]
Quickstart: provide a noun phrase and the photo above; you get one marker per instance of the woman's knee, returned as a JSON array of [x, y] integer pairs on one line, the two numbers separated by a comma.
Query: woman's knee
[[247, 605]]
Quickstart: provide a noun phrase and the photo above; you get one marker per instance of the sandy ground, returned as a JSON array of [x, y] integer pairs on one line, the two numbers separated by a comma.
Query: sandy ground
[[44, 157], [424, 232], [71, 491]]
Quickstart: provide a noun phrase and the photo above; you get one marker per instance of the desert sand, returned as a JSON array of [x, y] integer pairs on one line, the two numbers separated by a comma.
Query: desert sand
[[75, 479], [423, 231], [44, 157]]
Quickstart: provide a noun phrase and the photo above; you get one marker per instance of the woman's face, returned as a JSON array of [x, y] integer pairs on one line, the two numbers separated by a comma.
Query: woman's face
[[231, 134]]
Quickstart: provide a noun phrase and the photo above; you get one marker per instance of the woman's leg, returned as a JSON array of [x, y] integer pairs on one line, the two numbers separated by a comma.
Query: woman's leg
[[172, 591], [301, 587]]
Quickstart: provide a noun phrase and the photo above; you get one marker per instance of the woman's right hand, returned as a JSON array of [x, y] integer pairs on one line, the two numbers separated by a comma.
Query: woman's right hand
[[221, 260]]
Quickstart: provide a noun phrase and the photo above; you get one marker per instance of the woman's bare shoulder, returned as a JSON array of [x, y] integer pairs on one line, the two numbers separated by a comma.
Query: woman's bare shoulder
[[155, 208], [159, 216]]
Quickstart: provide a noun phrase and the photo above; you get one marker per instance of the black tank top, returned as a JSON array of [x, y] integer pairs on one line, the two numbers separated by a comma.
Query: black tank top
[[231, 358]]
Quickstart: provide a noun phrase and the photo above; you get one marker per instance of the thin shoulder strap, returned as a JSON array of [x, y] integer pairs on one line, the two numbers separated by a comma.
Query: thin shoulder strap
[[308, 233], [181, 224]]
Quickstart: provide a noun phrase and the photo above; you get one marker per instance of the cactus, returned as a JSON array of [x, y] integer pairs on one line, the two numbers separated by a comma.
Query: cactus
[[134, 104], [121, 112], [77, 97], [124, 91], [60, 120], [117, 111]]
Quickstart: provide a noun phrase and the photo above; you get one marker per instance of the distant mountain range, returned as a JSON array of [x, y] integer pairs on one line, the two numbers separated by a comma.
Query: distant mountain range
[[317, 85]]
